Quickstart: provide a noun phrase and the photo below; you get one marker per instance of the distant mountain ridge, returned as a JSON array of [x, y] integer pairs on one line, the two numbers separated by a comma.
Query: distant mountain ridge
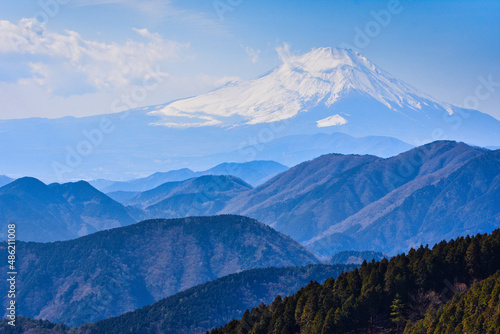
[[205, 195], [331, 204], [119, 270], [461, 201], [357, 202], [327, 202], [253, 172], [58, 212], [292, 150], [95, 208]]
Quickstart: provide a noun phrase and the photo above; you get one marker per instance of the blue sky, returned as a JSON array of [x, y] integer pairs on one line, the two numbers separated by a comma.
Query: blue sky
[[88, 53]]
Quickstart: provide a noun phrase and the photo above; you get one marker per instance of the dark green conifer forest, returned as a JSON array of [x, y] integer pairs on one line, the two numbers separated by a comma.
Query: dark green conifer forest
[[424, 291]]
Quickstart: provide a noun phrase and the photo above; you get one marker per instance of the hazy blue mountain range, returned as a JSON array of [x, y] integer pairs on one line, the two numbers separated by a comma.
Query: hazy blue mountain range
[[58, 212], [253, 172], [332, 203], [205, 195], [294, 149], [465, 201], [353, 202], [135, 148], [94, 207], [115, 271], [123, 196], [328, 201]]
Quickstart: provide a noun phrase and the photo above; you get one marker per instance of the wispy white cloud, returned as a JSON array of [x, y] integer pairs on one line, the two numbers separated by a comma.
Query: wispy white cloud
[[253, 54], [284, 52], [69, 75], [102, 65], [15, 104]]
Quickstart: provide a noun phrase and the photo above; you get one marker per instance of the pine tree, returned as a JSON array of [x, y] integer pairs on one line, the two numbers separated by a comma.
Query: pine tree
[[329, 325], [245, 324], [472, 259], [397, 311]]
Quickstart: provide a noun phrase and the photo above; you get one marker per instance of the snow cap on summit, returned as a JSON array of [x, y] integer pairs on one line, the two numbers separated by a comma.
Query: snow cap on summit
[[321, 77]]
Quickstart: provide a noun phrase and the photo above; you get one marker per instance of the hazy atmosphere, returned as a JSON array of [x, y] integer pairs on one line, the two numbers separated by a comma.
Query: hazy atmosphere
[[249, 167]]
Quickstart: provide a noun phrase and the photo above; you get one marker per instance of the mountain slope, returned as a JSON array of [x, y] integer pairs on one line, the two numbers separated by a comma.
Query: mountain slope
[[252, 172], [214, 303], [150, 182], [40, 213], [58, 212], [463, 202], [380, 297], [202, 307], [201, 196], [111, 272], [319, 195], [209, 184], [4, 180], [95, 208], [123, 196]]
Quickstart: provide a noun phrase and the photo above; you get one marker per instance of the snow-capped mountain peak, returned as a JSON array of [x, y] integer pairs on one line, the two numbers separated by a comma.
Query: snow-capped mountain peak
[[321, 77]]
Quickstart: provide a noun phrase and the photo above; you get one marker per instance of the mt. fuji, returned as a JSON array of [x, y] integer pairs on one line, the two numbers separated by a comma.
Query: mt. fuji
[[312, 104], [336, 89]]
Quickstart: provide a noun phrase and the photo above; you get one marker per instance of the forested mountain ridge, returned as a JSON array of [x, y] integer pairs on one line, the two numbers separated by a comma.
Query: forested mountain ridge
[[385, 296], [202, 307], [119, 270]]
